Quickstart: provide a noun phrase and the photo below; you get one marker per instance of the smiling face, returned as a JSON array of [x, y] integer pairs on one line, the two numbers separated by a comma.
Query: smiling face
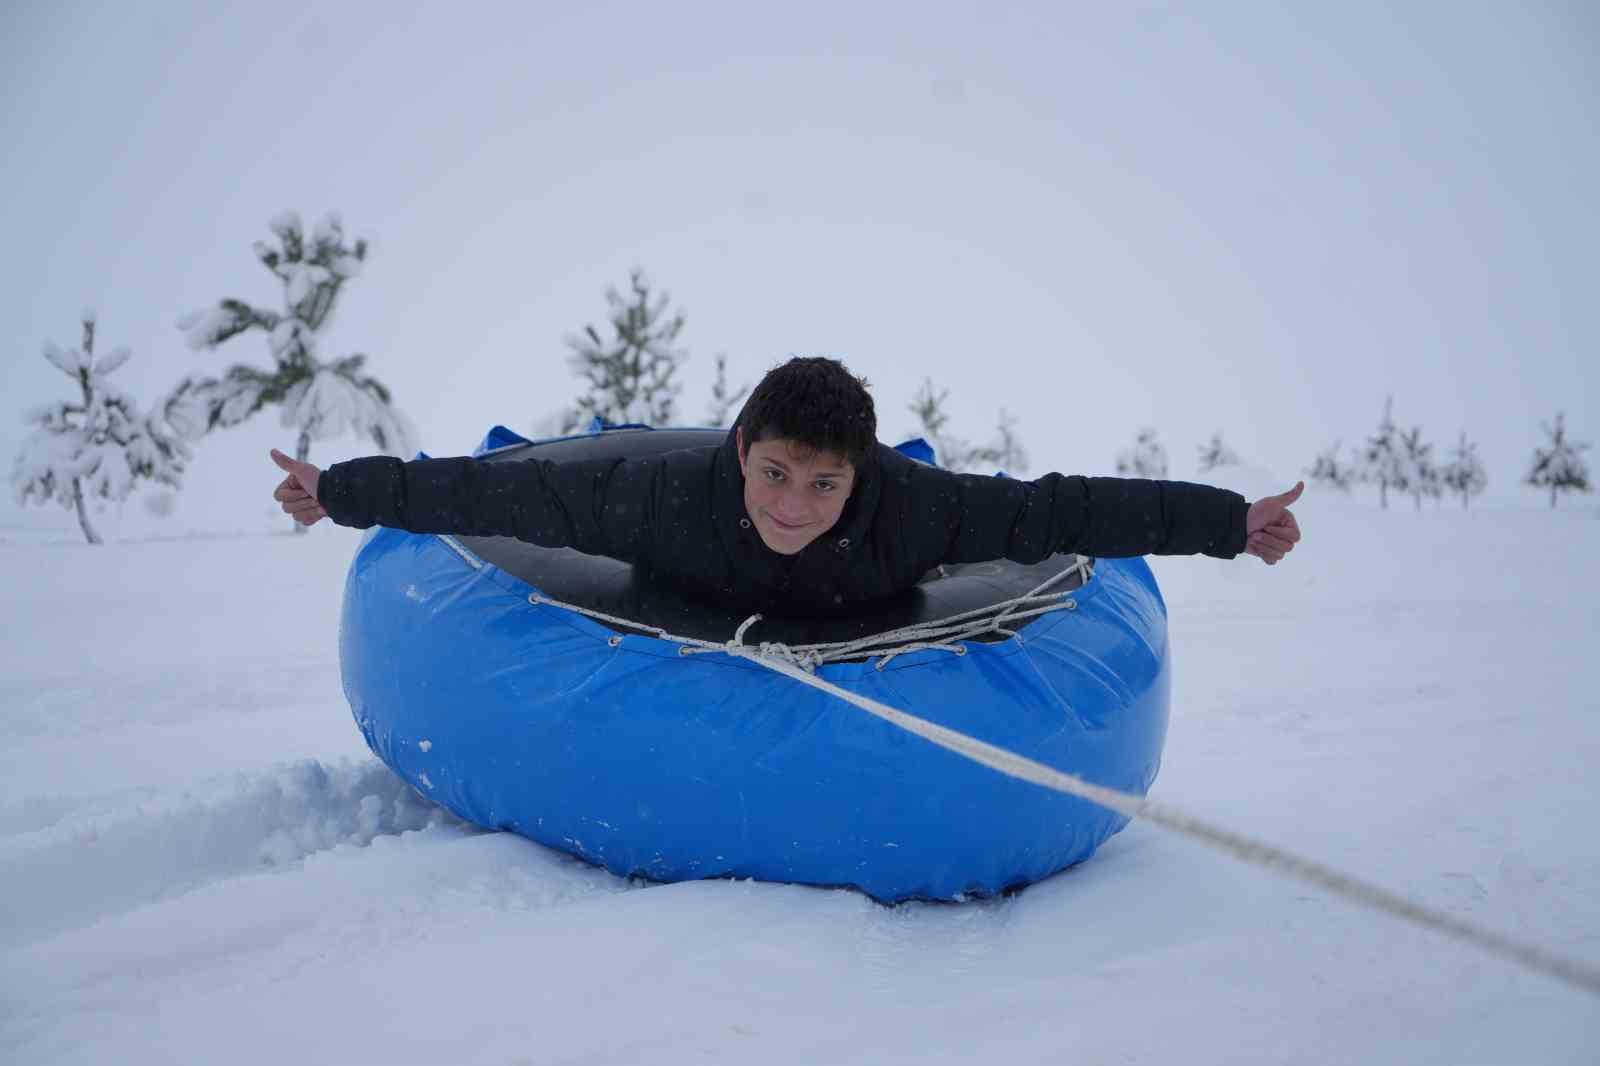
[[794, 494]]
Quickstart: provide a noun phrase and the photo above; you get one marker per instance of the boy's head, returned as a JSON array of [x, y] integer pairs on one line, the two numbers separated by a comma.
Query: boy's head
[[806, 430], [816, 403]]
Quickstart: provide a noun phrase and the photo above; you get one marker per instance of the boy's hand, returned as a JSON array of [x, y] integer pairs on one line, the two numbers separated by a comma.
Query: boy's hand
[[298, 492], [1270, 529]]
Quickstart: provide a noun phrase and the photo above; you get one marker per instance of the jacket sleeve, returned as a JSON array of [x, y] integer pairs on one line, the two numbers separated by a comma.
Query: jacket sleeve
[[993, 517], [598, 506]]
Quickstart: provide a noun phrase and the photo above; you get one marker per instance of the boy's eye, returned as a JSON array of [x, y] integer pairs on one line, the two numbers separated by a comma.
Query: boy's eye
[[825, 486], [773, 473]]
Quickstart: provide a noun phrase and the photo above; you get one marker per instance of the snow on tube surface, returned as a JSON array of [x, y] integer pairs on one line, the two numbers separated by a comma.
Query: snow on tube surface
[[613, 747]]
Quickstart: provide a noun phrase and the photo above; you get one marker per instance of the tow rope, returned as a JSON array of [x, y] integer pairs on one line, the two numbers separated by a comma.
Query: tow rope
[[800, 663]]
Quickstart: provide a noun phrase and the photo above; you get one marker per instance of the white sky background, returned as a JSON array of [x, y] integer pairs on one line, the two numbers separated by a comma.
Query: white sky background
[[1258, 218]]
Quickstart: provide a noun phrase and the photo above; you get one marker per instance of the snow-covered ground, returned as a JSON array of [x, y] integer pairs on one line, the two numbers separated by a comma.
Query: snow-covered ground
[[199, 861]]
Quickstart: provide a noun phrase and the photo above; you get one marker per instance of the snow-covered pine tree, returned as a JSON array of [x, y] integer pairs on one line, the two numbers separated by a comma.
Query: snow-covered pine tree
[[1560, 466], [321, 399], [1329, 470], [1147, 458], [1383, 459], [97, 447], [630, 375], [1421, 475], [1464, 474], [949, 451], [1214, 453], [723, 400]]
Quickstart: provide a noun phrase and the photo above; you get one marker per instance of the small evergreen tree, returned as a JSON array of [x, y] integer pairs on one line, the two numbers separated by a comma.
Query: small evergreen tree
[[1215, 453], [1329, 470], [1010, 455], [1147, 458], [957, 454], [723, 400], [1464, 474], [1421, 476], [1383, 459], [1560, 466], [630, 375], [320, 399], [99, 446]]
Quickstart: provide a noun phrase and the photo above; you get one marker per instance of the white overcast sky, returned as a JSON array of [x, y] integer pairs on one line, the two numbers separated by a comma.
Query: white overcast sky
[[1260, 218]]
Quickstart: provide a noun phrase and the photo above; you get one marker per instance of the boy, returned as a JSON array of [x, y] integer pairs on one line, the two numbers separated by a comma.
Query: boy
[[800, 511]]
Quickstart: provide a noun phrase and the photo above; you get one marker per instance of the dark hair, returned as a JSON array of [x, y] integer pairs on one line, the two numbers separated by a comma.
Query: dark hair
[[815, 402]]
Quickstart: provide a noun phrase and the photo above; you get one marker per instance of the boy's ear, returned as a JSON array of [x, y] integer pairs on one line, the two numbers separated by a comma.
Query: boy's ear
[[738, 445]]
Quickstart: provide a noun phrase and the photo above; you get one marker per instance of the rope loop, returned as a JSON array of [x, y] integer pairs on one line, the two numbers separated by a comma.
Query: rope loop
[[942, 634], [738, 634]]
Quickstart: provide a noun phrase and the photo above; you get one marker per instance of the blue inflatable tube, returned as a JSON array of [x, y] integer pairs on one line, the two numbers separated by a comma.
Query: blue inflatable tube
[[614, 747]]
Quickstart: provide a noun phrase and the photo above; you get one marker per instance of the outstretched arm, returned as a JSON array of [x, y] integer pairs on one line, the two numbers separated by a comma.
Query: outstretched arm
[[1107, 517], [603, 507], [991, 518]]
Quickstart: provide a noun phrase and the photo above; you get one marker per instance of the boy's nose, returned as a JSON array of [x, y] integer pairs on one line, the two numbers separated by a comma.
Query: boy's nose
[[790, 510]]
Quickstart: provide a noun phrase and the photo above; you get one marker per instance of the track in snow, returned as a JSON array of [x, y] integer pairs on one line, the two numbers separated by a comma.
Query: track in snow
[[67, 863]]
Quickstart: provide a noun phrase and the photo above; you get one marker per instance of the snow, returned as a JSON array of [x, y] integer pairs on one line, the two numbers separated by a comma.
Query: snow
[[330, 231], [302, 279], [205, 329], [113, 359], [67, 360], [202, 862]]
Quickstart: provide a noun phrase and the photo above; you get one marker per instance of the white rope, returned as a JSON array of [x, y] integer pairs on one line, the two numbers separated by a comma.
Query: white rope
[[1238, 845], [799, 662], [942, 634]]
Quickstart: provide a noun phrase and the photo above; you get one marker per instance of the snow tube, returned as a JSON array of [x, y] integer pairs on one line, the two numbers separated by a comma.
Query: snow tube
[[610, 745]]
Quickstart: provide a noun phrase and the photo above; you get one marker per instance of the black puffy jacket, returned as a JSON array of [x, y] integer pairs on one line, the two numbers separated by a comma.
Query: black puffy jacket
[[680, 516]]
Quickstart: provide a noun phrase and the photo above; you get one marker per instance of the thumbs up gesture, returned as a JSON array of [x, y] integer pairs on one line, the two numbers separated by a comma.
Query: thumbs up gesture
[[1271, 531], [298, 491]]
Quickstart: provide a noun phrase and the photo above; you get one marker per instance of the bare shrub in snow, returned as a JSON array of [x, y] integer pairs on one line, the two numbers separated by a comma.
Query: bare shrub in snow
[[1214, 453], [1011, 456], [1328, 469], [630, 374], [1463, 474], [723, 399], [321, 398], [1004, 453], [97, 447], [1559, 466], [1147, 458], [1382, 461], [1422, 478]]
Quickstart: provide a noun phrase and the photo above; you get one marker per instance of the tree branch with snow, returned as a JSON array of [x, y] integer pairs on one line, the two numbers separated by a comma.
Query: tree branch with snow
[[321, 399]]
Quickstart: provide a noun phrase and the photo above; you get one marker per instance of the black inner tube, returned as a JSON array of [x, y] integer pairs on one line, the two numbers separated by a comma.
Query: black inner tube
[[611, 586]]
